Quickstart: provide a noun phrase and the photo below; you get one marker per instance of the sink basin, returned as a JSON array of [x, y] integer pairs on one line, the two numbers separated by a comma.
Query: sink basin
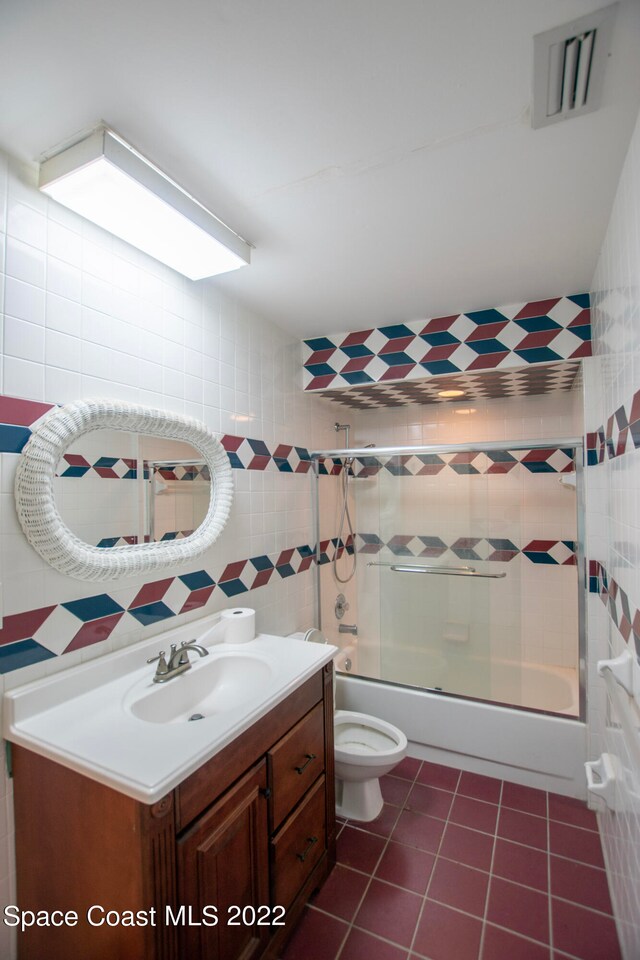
[[107, 719], [224, 681]]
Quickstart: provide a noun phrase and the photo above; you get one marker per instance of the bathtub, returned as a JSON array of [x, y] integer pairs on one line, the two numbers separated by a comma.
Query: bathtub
[[531, 748], [536, 687]]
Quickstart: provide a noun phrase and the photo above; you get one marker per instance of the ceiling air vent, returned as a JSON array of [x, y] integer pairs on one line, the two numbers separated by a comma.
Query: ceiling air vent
[[568, 67]]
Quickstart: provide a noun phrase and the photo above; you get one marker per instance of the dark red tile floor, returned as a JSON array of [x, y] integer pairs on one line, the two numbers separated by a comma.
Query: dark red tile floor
[[460, 866]]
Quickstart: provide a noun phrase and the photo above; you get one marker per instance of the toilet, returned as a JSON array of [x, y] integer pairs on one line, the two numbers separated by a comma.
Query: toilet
[[365, 749]]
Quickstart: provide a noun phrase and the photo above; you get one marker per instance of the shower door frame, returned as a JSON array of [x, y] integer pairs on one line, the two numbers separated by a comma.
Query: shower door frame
[[575, 443]]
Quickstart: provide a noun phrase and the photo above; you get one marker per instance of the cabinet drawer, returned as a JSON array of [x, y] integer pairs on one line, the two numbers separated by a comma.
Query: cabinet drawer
[[295, 762], [298, 846]]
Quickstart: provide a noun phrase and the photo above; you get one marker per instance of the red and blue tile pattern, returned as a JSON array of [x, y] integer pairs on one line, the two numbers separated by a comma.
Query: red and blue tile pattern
[[539, 332], [46, 632], [502, 384], [548, 460], [491, 549], [17, 416], [620, 434], [107, 468], [624, 616]]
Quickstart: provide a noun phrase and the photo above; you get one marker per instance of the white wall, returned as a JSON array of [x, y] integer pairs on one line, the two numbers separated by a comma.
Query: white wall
[[82, 314], [612, 379]]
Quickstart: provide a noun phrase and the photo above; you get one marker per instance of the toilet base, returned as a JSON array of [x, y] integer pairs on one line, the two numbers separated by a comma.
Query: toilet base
[[359, 800]]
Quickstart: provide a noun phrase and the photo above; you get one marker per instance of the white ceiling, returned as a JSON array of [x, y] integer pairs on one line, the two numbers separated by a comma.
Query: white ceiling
[[378, 153]]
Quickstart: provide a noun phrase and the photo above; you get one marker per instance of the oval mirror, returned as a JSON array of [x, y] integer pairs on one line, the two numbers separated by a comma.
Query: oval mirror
[[173, 501]]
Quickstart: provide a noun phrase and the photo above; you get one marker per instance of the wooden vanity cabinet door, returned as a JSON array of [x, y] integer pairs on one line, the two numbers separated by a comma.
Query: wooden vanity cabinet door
[[223, 861]]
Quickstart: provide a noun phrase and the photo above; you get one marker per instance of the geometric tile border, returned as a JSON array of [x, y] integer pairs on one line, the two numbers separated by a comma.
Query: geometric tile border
[[107, 468], [54, 630], [126, 468], [246, 454], [50, 631], [615, 599], [132, 538], [620, 435], [17, 416], [515, 335], [492, 549], [551, 460]]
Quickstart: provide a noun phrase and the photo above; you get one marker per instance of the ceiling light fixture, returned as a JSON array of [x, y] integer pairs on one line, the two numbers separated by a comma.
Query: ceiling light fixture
[[107, 181], [465, 410], [451, 393]]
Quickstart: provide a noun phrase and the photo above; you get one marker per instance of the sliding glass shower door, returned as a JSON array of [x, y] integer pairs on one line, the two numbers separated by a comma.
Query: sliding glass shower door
[[470, 571], [431, 579]]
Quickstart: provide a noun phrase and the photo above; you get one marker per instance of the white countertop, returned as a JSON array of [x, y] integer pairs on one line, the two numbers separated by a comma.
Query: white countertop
[[81, 717]]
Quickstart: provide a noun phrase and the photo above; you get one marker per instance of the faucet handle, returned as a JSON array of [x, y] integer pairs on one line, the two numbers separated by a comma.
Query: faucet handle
[[162, 667], [184, 656]]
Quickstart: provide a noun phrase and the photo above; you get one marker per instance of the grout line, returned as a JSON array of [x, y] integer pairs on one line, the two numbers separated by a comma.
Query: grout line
[[371, 877], [550, 902], [488, 893], [433, 869]]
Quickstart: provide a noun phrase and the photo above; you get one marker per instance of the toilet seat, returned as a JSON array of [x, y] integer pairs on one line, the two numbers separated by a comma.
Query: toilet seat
[[362, 738]]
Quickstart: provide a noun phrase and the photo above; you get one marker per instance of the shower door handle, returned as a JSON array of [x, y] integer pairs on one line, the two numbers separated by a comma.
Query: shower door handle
[[444, 571]]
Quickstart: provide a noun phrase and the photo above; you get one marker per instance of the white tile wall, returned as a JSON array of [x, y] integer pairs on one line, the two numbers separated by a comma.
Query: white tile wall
[[82, 314], [612, 377]]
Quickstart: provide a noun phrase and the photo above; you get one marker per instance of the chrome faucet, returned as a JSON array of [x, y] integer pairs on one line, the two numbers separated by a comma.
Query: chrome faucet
[[177, 662]]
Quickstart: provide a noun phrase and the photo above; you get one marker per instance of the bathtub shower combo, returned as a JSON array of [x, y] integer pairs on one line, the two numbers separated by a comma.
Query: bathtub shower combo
[[463, 621]]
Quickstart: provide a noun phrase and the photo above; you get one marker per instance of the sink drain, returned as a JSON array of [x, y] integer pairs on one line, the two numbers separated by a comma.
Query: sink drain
[[196, 716]]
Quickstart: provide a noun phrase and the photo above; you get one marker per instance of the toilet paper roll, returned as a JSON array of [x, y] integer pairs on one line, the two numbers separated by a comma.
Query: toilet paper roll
[[240, 624]]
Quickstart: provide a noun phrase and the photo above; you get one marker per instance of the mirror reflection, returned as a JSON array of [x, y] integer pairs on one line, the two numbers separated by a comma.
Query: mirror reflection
[[114, 488]]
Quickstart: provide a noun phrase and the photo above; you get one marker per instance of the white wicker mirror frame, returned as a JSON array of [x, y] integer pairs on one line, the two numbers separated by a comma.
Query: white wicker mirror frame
[[34, 490]]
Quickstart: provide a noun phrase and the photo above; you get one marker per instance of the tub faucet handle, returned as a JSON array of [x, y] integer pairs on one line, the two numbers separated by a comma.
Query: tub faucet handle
[[341, 606]]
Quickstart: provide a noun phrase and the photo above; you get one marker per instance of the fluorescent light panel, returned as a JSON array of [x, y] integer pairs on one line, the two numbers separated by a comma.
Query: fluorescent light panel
[[104, 180]]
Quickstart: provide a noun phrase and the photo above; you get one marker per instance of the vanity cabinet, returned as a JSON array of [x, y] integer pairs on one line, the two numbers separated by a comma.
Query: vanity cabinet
[[218, 869], [223, 861]]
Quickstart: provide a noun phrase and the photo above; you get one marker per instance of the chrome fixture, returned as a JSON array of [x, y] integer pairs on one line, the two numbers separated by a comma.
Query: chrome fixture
[[351, 628], [341, 606], [442, 571], [178, 661], [346, 427]]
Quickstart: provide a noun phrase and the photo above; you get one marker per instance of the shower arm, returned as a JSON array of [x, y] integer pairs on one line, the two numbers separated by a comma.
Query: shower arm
[[443, 571]]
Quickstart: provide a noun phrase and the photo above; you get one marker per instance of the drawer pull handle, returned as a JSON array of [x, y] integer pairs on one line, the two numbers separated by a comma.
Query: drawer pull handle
[[309, 758], [303, 856]]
